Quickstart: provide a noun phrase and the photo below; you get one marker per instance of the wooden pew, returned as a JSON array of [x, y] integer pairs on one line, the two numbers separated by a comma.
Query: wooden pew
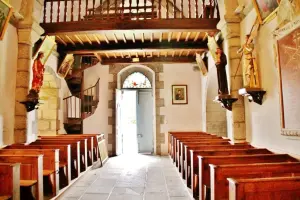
[[193, 176], [204, 161], [10, 181], [220, 173], [285, 188], [180, 147], [64, 159], [90, 144], [50, 164], [83, 149], [75, 153], [31, 173], [188, 149]]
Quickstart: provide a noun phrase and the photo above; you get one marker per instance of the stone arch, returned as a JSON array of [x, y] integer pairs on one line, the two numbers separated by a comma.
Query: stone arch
[[216, 120], [48, 121], [119, 72]]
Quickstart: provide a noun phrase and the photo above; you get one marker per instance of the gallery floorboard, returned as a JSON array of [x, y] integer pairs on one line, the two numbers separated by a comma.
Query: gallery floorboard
[[135, 177]]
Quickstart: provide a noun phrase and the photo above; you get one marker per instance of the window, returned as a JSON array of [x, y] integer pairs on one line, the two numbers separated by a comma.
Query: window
[[136, 80]]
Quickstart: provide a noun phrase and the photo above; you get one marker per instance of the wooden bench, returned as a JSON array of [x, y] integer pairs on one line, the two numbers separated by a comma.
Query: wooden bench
[[75, 153], [285, 188], [220, 173], [193, 175], [180, 147], [31, 174], [188, 149], [64, 160], [50, 165], [204, 161], [10, 181], [83, 161]]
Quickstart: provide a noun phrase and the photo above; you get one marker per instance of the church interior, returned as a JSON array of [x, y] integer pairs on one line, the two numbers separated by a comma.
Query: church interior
[[149, 99]]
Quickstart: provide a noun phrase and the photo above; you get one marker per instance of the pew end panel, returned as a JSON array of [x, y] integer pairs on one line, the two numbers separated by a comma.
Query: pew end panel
[[10, 181]]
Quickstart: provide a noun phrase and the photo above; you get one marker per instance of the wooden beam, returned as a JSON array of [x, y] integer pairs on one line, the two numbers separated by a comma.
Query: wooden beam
[[133, 38], [189, 59], [130, 46], [124, 38], [88, 39], [70, 40], [187, 36], [160, 37], [115, 38], [197, 36], [96, 38], [170, 36], [106, 39], [179, 36], [98, 56], [61, 40], [143, 37], [162, 25], [79, 40]]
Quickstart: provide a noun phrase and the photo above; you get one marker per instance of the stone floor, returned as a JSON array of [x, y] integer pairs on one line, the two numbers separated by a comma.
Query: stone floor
[[137, 177]]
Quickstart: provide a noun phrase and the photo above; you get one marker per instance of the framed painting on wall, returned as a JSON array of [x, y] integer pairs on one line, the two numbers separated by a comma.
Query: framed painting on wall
[[179, 94], [265, 9], [5, 14], [46, 47], [288, 49], [66, 65]]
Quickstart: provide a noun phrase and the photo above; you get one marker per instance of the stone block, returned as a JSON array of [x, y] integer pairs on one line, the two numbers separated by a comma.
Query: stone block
[[160, 103], [21, 93], [215, 116], [20, 122], [47, 133], [20, 136], [53, 84], [22, 79], [234, 63], [236, 84], [112, 85], [50, 114], [234, 42], [49, 92], [24, 51], [24, 64], [239, 132], [43, 125], [112, 104], [233, 53], [111, 120], [238, 114], [53, 125], [20, 109], [159, 85]]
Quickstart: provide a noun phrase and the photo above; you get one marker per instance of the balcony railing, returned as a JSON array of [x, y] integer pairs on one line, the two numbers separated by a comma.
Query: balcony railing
[[60, 11]]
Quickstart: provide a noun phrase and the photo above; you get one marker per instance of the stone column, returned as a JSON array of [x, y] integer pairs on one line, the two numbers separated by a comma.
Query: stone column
[[230, 28], [29, 32]]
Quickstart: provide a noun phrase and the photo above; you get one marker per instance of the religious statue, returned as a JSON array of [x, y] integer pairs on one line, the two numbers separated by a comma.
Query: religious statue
[[37, 82], [250, 72], [221, 62]]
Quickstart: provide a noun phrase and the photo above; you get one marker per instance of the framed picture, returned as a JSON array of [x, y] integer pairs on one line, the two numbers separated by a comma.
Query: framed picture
[[46, 47], [288, 47], [5, 14], [179, 94], [66, 65], [265, 9]]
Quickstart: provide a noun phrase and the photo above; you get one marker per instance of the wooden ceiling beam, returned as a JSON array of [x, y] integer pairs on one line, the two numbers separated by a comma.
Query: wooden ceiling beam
[[189, 59], [130, 46], [102, 26], [61, 40]]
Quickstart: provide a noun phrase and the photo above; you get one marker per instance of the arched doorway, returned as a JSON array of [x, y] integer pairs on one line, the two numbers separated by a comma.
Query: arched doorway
[[48, 123], [135, 111]]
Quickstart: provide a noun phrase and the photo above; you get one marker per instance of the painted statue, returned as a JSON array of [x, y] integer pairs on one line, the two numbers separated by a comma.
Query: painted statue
[[32, 99], [221, 62], [250, 72]]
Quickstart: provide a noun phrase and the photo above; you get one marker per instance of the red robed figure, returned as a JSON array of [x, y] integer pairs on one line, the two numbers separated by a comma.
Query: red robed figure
[[38, 73]]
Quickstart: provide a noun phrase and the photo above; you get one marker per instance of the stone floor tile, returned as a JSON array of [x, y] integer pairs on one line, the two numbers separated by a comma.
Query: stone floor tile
[[128, 190], [156, 196], [99, 189], [94, 197], [125, 197]]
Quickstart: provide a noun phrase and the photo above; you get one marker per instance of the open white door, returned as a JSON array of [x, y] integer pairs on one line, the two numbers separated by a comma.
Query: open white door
[[119, 135]]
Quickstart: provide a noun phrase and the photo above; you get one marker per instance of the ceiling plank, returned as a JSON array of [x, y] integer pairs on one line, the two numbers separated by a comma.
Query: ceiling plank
[[179, 36], [151, 38], [187, 36], [96, 38], [115, 38], [170, 36], [133, 38], [70, 40], [106, 54], [78, 39], [197, 36], [106, 39], [189, 59], [143, 38], [61, 40], [88, 39], [130, 46], [122, 55], [160, 37], [98, 56]]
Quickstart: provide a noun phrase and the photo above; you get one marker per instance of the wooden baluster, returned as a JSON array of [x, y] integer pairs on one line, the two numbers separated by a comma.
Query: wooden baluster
[[94, 17], [116, 16], [137, 10], [86, 7], [152, 9], [218, 11], [182, 9], [45, 11], [190, 15], [174, 9], [108, 4], [145, 10], [211, 10], [167, 6], [123, 2], [72, 10], [80, 106], [75, 107], [204, 9], [58, 11], [130, 4], [101, 10], [159, 9], [197, 12], [51, 12], [65, 12], [79, 10]]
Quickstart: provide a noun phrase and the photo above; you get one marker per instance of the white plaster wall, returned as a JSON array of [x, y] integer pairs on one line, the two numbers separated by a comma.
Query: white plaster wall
[[8, 69], [263, 122], [98, 122], [181, 117]]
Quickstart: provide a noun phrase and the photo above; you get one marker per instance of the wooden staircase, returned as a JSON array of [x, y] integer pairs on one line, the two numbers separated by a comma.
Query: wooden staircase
[[83, 102]]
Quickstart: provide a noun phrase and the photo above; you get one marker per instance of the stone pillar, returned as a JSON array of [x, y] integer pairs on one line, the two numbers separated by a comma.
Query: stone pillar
[[230, 28], [29, 32]]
